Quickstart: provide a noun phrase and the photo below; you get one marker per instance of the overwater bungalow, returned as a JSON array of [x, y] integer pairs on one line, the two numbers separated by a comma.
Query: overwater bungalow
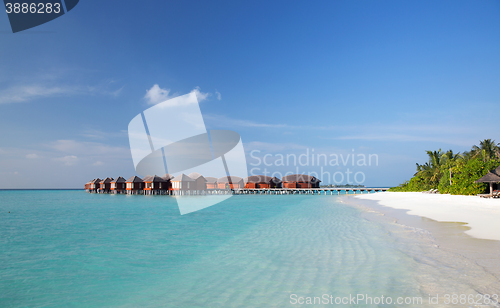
[[196, 184], [300, 181], [118, 186], [167, 177], [134, 185], [87, 186], [200, 183], [182, 182], [262, 181], [95, 184], [276, 183], [211, 182], [230, 182], [105, 185], [154, 185], [168, 184]]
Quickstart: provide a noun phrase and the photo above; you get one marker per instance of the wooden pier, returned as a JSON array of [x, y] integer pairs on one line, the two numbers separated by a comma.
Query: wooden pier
[[254, 191], [195, 184], [307, 191]]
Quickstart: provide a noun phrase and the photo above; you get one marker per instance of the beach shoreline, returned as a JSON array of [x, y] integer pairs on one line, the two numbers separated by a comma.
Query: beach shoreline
[[480, 215], [442, 234]]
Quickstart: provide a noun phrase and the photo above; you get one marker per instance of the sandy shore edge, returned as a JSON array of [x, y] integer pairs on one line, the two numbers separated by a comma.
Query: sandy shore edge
[[481, 215], [456, 238]]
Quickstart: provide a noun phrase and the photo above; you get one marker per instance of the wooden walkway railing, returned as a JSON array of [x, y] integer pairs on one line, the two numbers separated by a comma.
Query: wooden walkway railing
[[307, 191], [251, 191]]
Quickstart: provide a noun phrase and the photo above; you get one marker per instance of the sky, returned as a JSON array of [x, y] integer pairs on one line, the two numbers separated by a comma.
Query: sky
[[390, 79]]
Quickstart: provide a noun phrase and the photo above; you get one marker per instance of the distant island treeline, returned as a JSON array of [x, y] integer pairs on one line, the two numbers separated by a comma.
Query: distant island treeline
[[455, 173]]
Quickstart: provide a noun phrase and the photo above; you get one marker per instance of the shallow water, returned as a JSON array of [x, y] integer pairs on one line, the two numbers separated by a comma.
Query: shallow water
[[70, 248], [448, 261]]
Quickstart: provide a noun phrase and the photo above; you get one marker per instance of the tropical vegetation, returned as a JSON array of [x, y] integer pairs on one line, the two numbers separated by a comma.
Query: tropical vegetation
[[455, 173]]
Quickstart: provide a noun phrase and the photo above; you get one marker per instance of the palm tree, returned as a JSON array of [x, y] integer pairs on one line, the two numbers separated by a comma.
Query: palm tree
[[467, 155], [448, 160], [431, 171], [487, 149], [450, 156], [435, 158]]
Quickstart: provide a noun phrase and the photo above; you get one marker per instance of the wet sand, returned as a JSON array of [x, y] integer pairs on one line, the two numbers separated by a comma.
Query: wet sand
[[480, 214], [449, 258]]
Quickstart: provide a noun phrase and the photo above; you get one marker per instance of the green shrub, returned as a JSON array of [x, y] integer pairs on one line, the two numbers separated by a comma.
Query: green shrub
[[464, 173]]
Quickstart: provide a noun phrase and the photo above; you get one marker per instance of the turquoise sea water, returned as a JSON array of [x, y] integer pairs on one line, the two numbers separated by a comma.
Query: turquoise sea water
[[74, 249]]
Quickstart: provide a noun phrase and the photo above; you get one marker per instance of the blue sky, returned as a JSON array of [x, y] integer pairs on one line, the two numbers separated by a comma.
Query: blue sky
[[391, 78]]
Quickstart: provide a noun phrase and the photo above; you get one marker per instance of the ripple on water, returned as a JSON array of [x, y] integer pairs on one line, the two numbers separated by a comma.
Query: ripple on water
[[72, 248]]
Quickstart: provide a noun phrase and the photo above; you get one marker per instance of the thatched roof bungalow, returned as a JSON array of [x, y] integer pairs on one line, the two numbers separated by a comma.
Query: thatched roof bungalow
[[492, 177]]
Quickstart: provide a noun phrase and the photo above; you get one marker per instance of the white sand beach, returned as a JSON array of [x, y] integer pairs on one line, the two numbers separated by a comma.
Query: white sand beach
[[481, 215]]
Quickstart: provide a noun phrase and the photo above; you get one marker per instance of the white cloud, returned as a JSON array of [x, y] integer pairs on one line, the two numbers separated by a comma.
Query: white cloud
[[219, 96], [117, 92], [72, 147], [31, 156], [157, 95], [398, 132], [200, 95], [97, 134], [18, 94], [25, 93], [65, 145], [68, 160], [72, 160]]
